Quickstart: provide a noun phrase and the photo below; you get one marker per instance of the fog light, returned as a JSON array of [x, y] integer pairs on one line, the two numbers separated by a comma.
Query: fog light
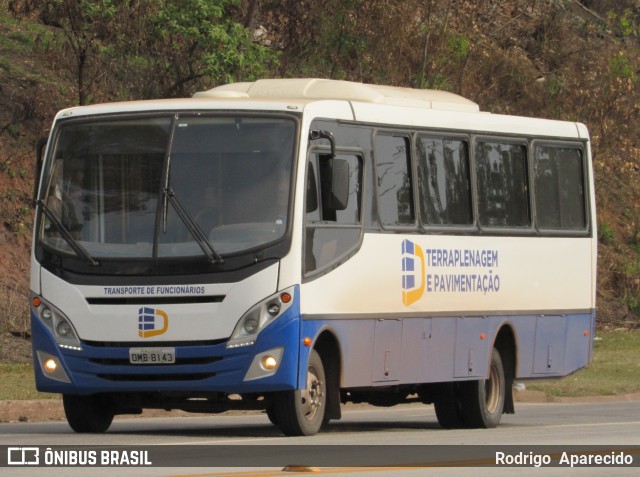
[[265, 364], [268, 363], [50, 365], [46, 313]]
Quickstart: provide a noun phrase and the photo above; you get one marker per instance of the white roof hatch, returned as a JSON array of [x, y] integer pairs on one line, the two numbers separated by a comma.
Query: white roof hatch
[[318, 89]]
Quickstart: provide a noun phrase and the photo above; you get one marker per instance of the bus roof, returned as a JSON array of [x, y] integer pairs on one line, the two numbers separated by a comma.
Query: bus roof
[[307, 89], [346, 100]]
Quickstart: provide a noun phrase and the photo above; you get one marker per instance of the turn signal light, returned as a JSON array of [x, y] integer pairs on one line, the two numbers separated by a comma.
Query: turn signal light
[[285, 297]]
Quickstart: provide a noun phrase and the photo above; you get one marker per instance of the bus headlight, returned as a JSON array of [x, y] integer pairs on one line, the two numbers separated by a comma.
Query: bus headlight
[[64, 328], [46, 314], [57, 323], [255, 320], [250, 325]]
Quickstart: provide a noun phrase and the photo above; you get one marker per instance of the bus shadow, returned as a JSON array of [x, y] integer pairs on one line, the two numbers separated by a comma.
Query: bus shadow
[[267, 430]]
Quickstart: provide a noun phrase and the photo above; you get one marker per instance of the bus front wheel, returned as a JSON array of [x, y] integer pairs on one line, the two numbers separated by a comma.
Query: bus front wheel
[[301, 412], [92, 414], [482, 402]]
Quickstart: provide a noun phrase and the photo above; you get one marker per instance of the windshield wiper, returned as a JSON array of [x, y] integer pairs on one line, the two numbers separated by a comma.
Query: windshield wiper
[[193, 227], [66, 235]]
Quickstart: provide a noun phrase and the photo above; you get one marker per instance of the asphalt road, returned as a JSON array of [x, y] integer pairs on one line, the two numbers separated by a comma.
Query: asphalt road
[[606, 425]]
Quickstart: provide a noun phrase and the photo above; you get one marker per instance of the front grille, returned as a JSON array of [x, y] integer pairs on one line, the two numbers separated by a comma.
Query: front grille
[[179, 361], [155, 344], [157, 377], [155, 300]]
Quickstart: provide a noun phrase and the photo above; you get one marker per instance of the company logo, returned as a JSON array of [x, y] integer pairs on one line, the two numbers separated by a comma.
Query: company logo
[[152, 322], [413, 272], [23, 456]]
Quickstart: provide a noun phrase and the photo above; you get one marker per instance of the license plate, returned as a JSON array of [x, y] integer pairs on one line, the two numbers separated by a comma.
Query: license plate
[[152, 355]]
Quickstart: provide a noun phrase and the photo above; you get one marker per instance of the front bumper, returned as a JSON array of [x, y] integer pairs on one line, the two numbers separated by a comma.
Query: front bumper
[[203, 367]]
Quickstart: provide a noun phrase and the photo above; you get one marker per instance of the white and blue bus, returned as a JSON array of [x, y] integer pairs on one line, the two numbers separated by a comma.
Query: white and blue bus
[[292, 245]]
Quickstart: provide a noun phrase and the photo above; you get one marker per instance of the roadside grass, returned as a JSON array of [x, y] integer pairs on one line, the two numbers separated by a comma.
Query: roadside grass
[[18, 382], [615, 369]]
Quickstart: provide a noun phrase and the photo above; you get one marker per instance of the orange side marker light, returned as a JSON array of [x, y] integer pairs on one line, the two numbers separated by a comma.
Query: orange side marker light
[[307, 342], [285, 297]]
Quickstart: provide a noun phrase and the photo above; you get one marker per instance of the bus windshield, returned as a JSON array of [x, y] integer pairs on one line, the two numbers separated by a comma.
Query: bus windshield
[[109, 180]]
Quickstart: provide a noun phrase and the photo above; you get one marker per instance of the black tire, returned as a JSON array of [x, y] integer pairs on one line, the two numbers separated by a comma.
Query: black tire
[[482, 402], [88, 414], [271, 414], [301, 412], [447, 405]]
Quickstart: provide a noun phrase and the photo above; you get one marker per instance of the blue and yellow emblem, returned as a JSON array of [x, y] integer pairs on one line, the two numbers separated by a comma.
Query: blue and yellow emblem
[[152, 322], [413, 272]]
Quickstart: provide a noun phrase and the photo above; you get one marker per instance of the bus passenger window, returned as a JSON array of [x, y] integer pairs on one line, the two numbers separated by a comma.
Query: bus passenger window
[[393, 170], [559, 183], [444, 181], [503, 199]]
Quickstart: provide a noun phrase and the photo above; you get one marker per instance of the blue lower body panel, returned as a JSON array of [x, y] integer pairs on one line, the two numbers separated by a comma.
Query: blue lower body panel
[[414, 350]]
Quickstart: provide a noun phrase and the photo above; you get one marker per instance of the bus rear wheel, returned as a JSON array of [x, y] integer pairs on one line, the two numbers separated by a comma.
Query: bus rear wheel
[[482, 402], [88, 414], [301, 412]]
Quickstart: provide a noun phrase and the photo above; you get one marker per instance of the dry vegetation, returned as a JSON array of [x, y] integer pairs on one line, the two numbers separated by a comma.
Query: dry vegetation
[[564, 59]]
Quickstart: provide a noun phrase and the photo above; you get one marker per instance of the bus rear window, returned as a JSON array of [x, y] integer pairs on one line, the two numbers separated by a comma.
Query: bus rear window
[[559, 183]]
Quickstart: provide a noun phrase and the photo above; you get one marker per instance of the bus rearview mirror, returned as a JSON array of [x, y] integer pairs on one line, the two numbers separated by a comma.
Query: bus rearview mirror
[[41, 146], [339, 197]]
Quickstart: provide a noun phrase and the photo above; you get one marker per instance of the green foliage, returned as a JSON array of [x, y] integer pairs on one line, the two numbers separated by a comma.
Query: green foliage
[[459, 47], [554, 86], [621, 66], [633, 302], [196, 41], [606, 235], [632, 268], [626, 22], [153, 48]]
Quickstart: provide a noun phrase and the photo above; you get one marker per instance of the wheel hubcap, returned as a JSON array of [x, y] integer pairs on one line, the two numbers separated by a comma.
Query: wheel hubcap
[[312, 395], [492, 390]]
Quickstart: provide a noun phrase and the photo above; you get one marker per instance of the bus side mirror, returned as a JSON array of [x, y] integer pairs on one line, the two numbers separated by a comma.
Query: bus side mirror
[[312, 191], [339, 196], [41, 145]]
